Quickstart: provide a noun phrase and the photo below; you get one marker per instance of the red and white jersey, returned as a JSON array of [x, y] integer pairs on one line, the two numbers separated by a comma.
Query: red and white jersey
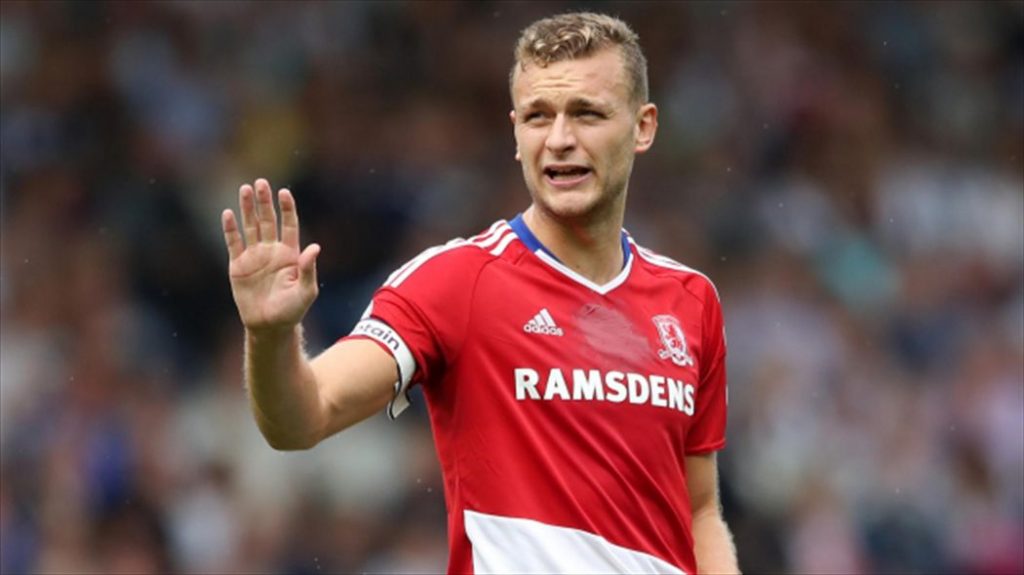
[[562, 410]]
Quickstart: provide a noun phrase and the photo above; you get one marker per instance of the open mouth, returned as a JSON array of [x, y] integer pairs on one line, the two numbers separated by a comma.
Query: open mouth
[[566, 174]]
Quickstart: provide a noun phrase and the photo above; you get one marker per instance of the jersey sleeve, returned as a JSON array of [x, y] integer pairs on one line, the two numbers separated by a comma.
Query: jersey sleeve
[[420, 315], [707, 433]]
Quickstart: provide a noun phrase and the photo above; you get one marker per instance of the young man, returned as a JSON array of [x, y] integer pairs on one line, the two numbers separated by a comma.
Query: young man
[[575, 381]]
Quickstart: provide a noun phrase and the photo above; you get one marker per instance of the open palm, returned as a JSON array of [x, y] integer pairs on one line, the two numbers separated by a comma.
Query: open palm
[[272, 281]]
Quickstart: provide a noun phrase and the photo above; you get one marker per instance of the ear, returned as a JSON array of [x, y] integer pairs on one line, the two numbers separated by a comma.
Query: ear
[[512, 117], [646, 127]]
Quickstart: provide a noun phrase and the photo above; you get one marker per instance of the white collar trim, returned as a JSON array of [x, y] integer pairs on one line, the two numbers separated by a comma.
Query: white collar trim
[[601, 289]]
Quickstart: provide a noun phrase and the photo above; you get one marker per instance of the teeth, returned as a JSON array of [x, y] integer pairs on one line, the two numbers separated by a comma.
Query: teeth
[[566, 171]]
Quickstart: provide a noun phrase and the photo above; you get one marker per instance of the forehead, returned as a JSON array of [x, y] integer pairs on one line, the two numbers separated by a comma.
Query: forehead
[[599, 76]]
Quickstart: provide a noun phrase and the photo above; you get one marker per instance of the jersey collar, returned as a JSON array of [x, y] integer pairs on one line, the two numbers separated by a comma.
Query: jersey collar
[[534, 245]]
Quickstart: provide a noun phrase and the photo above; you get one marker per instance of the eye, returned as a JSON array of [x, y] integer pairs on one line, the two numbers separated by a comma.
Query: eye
[[590, 114]]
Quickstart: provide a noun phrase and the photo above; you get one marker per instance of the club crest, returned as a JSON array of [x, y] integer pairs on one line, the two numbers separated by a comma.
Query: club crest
[[673, 340]]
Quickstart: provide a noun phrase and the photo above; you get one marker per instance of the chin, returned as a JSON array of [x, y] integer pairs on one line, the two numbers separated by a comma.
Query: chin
[[570, 205], [578, 209], [579, 204]]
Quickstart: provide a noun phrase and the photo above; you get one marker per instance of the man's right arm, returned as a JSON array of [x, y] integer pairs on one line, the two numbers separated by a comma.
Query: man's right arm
[[297, 402]]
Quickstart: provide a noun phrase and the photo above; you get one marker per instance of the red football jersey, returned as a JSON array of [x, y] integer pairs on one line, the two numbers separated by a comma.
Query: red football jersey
[[562, 410]]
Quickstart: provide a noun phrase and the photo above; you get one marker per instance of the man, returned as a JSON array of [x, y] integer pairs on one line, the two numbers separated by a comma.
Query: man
[[575, 381]]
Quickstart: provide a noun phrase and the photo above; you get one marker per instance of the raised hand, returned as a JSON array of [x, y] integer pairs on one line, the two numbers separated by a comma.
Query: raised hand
[[272, 281]]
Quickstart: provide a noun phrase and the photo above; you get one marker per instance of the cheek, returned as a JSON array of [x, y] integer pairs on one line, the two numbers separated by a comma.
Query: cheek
[[534, 138], [530, 148], [627, 146], [613, 151]]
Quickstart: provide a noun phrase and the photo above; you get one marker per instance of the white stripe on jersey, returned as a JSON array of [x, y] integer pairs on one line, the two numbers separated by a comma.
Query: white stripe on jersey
[[517, 545], [489, 237], [669, 263], [505, 241], [421, 259], [498, 230]]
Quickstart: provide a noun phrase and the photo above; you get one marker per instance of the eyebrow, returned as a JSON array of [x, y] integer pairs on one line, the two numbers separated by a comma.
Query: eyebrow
[[573, 104]]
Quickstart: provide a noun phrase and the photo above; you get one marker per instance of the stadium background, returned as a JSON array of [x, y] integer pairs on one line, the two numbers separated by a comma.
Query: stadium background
[[849, 174]]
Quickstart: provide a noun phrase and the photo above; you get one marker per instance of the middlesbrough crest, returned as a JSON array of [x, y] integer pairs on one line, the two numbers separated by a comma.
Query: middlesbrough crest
[[673, 340]]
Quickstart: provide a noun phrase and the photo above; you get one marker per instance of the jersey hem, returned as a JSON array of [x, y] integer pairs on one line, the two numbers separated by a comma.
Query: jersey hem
[[707, 448]]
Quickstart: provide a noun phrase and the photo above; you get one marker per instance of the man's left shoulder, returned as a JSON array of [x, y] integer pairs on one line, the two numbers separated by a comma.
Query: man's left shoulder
[[693, 280]]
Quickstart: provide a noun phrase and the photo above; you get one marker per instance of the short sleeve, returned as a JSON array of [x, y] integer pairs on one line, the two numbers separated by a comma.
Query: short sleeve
[[420, 315], [707, 433]]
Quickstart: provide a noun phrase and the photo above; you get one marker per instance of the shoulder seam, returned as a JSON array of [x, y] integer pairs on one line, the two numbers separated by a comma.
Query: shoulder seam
[[668, 263], [499, 233]]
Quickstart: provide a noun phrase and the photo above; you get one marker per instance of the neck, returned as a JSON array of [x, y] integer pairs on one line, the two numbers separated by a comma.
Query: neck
[[592, 249]]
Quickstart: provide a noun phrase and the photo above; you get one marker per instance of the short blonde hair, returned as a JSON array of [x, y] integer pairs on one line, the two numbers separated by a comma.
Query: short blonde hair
[[580, 34]]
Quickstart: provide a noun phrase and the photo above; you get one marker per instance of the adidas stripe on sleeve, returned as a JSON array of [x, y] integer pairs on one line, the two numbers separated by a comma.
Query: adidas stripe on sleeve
[[420, 312]]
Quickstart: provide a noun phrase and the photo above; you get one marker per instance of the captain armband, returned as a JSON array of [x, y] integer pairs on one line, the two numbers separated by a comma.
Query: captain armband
[[385, 335]]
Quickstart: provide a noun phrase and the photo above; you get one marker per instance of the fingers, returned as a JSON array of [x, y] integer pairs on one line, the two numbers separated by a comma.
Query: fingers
[[259, 218], [265, 213], [247, 203], [232, 237], [307, 265], [289, 219]]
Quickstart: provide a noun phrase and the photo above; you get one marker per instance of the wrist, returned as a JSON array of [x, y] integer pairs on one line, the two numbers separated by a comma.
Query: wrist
[[273, 335]]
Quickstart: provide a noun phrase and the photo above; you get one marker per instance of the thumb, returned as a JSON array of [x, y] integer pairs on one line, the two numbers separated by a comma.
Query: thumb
[[307, 265]]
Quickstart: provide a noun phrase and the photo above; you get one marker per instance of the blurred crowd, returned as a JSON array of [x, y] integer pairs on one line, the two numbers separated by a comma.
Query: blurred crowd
[[850, 175]]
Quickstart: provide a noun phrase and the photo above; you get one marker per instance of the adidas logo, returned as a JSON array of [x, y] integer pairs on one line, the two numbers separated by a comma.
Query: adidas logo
[[543, 324]]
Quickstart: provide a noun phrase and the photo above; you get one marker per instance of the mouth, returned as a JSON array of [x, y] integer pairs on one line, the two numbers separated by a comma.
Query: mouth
[[566, 176]]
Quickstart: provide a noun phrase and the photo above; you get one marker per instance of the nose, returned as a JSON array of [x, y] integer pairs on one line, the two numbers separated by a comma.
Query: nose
[[561, 138]]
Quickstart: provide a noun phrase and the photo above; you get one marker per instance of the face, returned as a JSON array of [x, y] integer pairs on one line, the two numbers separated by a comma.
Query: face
[[577, 132]]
